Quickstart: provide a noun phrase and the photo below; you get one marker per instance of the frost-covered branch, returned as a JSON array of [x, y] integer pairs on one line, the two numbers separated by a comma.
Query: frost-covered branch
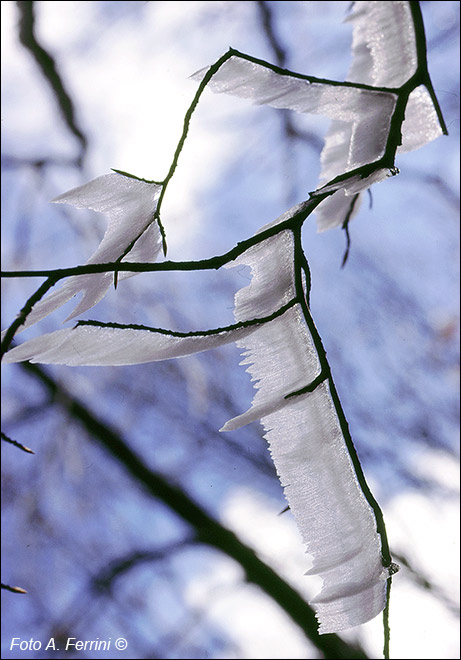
[[386, 106]]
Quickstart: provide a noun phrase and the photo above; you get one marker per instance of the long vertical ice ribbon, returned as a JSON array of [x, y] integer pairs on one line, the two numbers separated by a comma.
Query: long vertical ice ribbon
[[337, 523]]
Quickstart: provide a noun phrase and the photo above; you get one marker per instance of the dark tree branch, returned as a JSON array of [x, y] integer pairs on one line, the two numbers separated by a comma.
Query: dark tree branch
[[422, 581], [267, 20], [194, 333], [11, 161], [104, 580], [17, 444], [14, 590], [292, 132], [49, 69], [345, 226], [25, 311]]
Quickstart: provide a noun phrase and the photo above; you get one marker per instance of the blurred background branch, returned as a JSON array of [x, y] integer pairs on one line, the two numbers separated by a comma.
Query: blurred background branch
[[49, 70], [207, 529]]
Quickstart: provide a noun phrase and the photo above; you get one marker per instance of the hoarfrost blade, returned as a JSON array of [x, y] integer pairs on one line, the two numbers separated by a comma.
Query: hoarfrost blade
[[93, 344], [307, 443], [129, 205], [364, 113], [384, 43], [384, 55]]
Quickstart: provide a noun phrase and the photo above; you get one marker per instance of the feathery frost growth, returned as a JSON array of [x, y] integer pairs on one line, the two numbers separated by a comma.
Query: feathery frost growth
[[387, 105], [385, 56], [129, 205]]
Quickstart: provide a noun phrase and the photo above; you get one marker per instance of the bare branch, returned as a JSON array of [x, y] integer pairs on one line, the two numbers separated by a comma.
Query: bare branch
[[17, 444], [14, 590], [103, 581]]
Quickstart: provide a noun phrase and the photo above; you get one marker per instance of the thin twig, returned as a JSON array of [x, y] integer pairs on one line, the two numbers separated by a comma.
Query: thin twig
[[17, 444], [25, 311], [14, 590]]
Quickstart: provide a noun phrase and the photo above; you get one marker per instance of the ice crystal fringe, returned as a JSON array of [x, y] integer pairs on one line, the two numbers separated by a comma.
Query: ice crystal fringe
[[131, 235], [336, 522], [94, 345], [384, 56]]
